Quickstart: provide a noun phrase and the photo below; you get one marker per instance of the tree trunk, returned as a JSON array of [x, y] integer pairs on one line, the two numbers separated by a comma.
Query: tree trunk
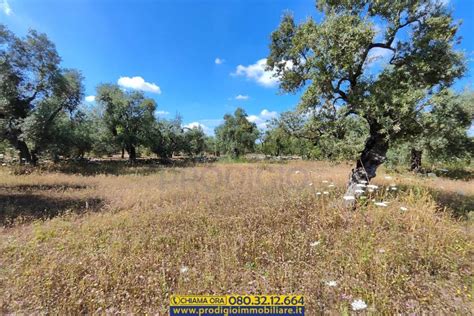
[[373, 155], [132, 154], [25, 155], [123, 152], [415, 160], [34, 157]]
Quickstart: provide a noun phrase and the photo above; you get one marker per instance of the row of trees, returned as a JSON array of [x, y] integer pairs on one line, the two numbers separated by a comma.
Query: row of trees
[[347, 107], [41, 110]]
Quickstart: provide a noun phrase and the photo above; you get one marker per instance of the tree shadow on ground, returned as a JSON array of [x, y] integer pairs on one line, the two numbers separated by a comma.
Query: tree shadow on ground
[[24, 206], [141, 167], [459, 204], [57, 187]]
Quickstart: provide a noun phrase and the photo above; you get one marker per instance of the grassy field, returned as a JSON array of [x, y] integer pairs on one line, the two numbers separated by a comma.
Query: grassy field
[[125, 242]]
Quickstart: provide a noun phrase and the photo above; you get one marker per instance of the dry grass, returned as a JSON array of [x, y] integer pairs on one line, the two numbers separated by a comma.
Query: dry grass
[[238, 228]]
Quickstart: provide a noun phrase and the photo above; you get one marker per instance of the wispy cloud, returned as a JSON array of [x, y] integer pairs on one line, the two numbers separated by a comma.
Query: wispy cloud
[[138, 83], [207, 130], [90, 98], [5, 7], [378, 57], [242, 97], [261, 120], [162, 113], [219, 61], [257, 72]]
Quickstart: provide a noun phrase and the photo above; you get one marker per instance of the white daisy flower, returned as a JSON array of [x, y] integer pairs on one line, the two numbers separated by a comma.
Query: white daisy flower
[[331, 186], [331, 283], [311, 184], [325, 181], [297, 171], [183, 269], [383, 204], [318, 193], [394, 189], [388, 177], [358, 305], [314, 243], [348, 197], [403, 208], [325, 192]]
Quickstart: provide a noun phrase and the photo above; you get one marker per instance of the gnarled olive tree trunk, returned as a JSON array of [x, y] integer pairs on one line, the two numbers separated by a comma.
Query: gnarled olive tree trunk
[[415, 160], [132, 153], [373, 155], [24, 152]]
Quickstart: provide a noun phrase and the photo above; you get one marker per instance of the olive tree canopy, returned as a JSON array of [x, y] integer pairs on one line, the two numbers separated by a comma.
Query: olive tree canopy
[[333, 61]]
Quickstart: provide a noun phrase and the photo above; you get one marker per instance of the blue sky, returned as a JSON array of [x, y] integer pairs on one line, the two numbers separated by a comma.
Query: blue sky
[[196, 58]]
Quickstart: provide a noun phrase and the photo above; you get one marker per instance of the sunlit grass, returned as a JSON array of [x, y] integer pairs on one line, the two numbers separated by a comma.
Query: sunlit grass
[[237, 228]]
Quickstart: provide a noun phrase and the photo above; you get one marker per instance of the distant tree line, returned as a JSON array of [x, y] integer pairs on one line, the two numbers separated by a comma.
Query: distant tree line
[[42, 114]]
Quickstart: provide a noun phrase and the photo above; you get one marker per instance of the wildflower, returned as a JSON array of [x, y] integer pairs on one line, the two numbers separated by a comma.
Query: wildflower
[[381, 250], [359, 191], [325, 181], [394, 189], [349, 197], [325, 192], [318, 193], [387, 189], [183, 269], [403, 208], [331, 185], [388, 177], [331, 283], [311, 184], [372, 186], [314, 243], [297, 172], [358, 305], [383, 204]]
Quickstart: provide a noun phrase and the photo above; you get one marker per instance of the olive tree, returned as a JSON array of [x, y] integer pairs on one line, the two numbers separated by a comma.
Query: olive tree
[[443, 130], [34, 89], [237, 135], [127, 115], [333, 61]]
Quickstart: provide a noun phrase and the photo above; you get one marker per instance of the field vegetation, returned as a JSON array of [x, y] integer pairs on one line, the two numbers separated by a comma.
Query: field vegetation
[[123, 243]]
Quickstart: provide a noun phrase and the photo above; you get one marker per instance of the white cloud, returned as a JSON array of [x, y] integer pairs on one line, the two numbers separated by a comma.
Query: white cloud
[[90, 98], [207, 130], [470, 131], [262, 119], [5, 7], [162, 113], [258, 73], [138, 83], [378, 57], [219, 61], [242, 97]]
